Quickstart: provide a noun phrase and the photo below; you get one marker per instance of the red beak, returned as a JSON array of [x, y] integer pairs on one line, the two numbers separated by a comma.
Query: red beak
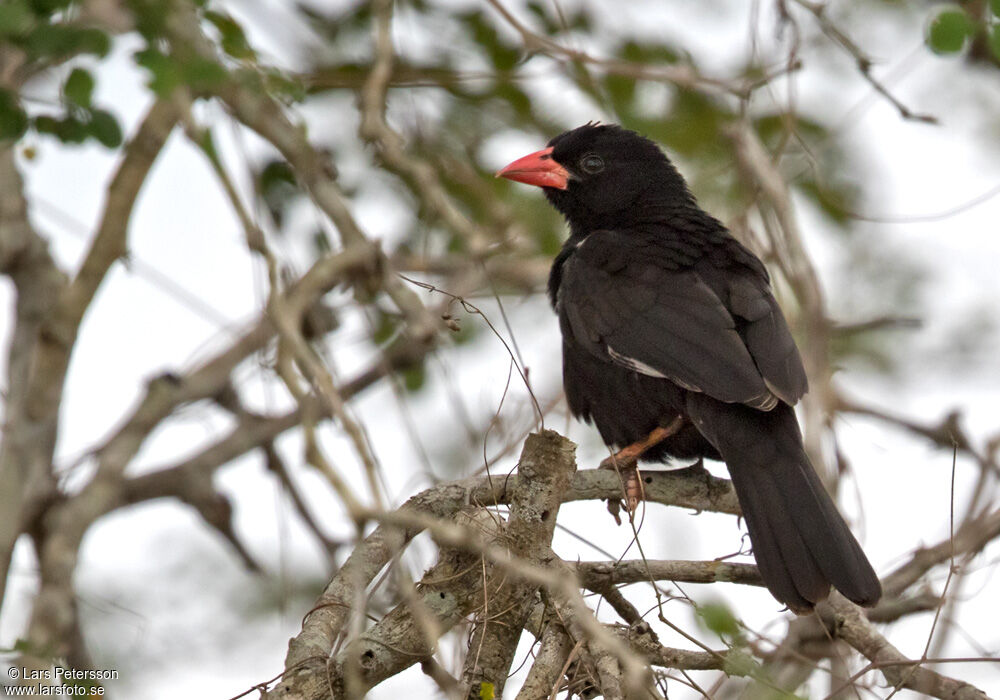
[[537, 169]]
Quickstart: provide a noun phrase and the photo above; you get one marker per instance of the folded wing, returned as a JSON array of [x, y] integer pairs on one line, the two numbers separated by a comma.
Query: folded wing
[[666, 320]]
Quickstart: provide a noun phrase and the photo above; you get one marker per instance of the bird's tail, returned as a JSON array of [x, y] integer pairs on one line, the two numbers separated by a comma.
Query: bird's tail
[[801, 542]]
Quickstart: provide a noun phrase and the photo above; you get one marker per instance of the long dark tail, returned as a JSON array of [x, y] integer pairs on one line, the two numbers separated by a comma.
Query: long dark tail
[[801, 542]]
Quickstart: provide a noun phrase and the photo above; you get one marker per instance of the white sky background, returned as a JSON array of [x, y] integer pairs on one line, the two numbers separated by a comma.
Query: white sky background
[[168, 603]]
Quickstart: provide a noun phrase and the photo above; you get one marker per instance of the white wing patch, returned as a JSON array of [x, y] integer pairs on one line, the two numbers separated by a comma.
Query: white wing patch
[[642, 368], [763, 402], [635, 365]]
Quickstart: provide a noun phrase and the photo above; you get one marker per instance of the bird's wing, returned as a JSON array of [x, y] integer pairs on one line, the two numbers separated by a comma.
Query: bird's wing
[[765, 334], [637, 312]]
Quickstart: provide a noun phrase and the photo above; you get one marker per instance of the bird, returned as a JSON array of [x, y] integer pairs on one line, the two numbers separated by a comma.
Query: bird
[[674, 345]]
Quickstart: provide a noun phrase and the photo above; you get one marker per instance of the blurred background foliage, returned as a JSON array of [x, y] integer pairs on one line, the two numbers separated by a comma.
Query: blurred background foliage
[[461, 76], [469, 91]]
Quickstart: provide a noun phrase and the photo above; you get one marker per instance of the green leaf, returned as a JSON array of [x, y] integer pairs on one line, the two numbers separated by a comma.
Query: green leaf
[[321, 243], [92, 41], [207, 143], [621, 91], [67, 130], [16, 18], [150, 17], [45, 8], [46, 124], [166, 74], [995, 7], [81, 125], [284, 87], [739, 663], [56, 41], [203, 73], [994, 41], [949, 30], [773, 127], [691, 127], [580, 21], [79, 87], [275, 173], [385, 328], [234, 40], [835, 199], [276, 186], [13, 120], [648, 53], [414, 378], [515, 98], [22, 646], [104, 127], [503, 56], [72, 130], [718, 618]]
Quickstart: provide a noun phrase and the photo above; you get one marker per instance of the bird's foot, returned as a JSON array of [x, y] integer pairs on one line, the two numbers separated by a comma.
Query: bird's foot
[[626, 461]]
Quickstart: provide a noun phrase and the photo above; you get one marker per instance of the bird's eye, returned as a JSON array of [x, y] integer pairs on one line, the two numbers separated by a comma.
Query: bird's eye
[[592, 163]]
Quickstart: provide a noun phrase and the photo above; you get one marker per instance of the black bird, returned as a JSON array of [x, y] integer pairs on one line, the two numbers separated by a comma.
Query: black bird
[[667, 320]]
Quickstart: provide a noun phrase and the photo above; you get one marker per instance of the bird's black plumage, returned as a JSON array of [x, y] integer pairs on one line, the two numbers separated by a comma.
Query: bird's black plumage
[[664, 314]]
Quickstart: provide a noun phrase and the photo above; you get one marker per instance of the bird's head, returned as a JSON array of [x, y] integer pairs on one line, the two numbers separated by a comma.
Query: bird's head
[[601, 175]]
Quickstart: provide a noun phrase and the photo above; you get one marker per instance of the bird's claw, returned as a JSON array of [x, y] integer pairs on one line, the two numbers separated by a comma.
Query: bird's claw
[[615, 508], [631, 487]]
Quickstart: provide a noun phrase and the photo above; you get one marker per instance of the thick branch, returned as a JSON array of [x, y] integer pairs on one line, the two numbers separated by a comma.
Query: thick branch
[[616, 667], [691, 488], [26, 448], [408, 634], [854, 628], [814, 637], [67, 522], [54, 612], [550, 662], [546, 466], [58, 334], [595, 575], [733, 662]]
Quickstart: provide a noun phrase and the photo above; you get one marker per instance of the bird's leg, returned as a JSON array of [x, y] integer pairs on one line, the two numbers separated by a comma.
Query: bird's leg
[[631, 454], [625, 463]]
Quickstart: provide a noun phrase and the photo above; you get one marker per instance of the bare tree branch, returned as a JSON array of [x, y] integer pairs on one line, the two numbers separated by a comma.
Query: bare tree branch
[[854, 628], [864, 63], [545, 469], [391, 148], [595, 574], [54, 612], [693, 488], [26, 479], [684, 76], [550, 663], [971, 537], [449, 590], [495, 575]]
